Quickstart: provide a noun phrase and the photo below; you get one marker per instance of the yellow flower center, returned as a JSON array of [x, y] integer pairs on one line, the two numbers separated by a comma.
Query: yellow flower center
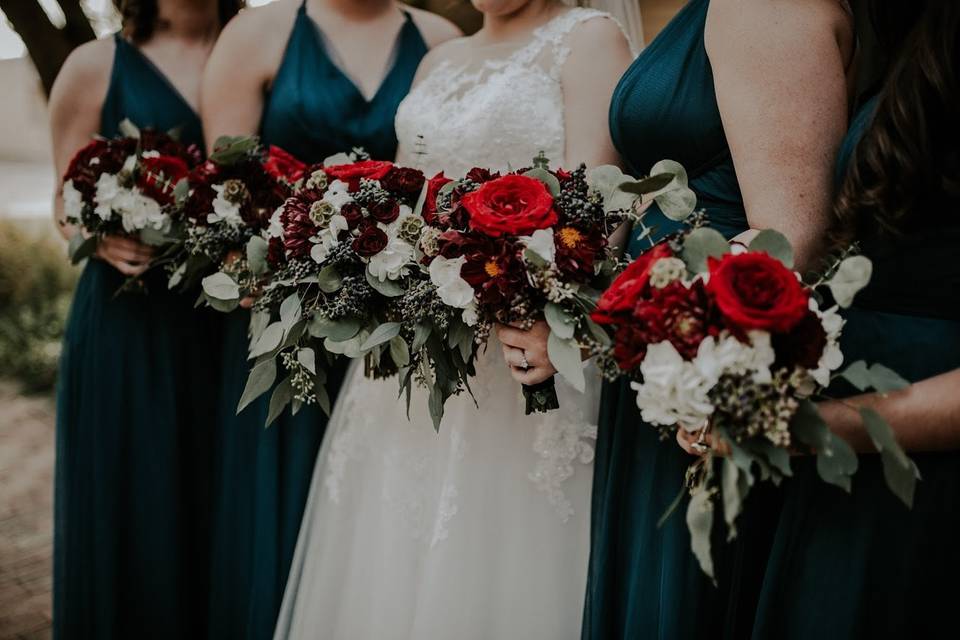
[[492, 269], [570, 237]]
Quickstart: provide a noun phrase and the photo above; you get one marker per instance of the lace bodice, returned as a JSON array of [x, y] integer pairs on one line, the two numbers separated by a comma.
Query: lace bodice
[[498, 112]]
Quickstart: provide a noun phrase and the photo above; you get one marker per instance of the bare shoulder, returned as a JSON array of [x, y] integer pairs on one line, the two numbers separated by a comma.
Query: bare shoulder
[[598, 33], [266, 27], [435, 29], [84, 77], [449, 50], [739, 24]]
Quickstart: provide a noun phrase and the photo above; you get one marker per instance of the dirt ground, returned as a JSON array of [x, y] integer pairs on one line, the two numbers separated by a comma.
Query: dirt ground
[[26, 512]]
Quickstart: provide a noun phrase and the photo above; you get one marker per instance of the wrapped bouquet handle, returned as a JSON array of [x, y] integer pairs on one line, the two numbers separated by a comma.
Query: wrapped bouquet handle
[[541, 397]]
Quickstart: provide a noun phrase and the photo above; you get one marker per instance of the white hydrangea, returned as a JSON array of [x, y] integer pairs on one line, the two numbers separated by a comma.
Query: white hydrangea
[[224, 210], [337, 195], [108, 190], [138, 212], [832, 357], [275, 229], [392, 262], [326, 240], [453, 290], [470, 316], [72, 201]]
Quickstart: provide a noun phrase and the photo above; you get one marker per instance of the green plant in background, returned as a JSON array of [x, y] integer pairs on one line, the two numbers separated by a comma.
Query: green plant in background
[[36, 285]]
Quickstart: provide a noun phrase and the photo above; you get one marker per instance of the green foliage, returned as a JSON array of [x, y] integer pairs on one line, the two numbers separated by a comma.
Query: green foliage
[[36, 286]]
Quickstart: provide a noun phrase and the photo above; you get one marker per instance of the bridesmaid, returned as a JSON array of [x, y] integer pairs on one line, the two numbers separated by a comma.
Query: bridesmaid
[[751, 97], [332, 85], [133, 415], [861, 565]]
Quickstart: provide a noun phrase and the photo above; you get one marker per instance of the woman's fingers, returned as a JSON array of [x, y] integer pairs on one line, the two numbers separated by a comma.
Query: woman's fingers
[[515, 357]]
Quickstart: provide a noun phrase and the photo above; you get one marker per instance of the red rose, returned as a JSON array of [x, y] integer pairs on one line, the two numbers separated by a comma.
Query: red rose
[[371, 241], [159, 176], [402, 180], [430, 203], [385, 212], [282, 165], [513, 205], [617, 303], [755, 291], [355, 171]]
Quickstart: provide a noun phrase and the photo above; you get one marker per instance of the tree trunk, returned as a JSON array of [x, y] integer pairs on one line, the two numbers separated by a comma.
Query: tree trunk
[[47, 45]]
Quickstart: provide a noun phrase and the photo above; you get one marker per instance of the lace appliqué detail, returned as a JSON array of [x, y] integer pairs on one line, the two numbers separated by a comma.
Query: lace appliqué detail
[[560, 445]]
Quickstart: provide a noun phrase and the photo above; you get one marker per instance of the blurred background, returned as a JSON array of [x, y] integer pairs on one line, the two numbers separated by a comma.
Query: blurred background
[[36, 280]]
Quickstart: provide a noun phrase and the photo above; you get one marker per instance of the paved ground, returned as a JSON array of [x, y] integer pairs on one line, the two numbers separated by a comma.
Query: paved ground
[[26, 475]]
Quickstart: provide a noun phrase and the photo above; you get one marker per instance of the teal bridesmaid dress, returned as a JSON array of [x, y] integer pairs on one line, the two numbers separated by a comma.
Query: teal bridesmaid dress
[[862, 565], [643, 581], [313, 111], [135, 411]]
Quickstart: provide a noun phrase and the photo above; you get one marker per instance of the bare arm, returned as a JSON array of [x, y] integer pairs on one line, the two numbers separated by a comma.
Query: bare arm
[[76, 101], [779, 70], [240, 70], [925, 416], [435, 29]]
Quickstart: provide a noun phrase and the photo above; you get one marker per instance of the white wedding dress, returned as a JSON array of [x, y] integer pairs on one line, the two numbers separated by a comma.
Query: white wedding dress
[[480, 531]]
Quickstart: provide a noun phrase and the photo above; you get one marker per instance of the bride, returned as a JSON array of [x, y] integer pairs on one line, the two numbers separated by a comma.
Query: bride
[[482, 530]]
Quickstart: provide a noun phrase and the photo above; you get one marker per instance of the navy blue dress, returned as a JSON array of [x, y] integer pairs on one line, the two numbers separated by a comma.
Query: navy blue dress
[[862, 565], [644, 581], [135, 412], [313, 111]]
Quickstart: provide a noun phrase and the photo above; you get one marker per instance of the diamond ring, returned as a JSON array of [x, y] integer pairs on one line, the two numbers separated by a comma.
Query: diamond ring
[[524, 364]]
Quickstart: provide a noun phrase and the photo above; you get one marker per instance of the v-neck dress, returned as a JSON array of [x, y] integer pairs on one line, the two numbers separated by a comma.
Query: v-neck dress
[[313, 111], [135, 412]]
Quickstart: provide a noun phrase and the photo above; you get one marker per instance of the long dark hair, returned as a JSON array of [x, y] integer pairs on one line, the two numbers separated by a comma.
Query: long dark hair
[[908, 161], [140, 17]]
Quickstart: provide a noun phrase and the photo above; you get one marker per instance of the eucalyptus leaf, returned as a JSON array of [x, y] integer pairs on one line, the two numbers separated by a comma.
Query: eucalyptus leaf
[[836, 461], [181, 190], [269, 340], [852, 275], [676, 200], [81, 248], [387, 288], [261, 378], [448, 188], [857, 374], [128, 129], [336, 330], [900, 472], [561, 322], [323, 399], [337, 159], [421, 333], [229, 150], [700, 523], [565, 356], [547, 178], [607, 180], [647, 185], [281, 397], [220, 286], [399, 352], [177, 276], [884, 380], [257, 255], [290, 311], [307, 359], [435, 404], [259, 320], [223, 306], [154, 237], [382, 334], [701, 244], [328, 279], [775, 245]]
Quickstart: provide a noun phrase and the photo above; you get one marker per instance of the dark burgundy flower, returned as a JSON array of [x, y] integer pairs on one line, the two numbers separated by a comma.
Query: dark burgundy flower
[[495, 272], [802, 346], [275, 253], [403, 180], [298, 227], [371, 241], [353, 214], [684, 316], [481, 175], [577, 250], [385, 212]]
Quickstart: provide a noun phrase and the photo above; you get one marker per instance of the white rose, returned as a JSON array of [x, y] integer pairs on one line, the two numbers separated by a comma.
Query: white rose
[[224, 210], [72, 201], [453, 290], [541, 243]]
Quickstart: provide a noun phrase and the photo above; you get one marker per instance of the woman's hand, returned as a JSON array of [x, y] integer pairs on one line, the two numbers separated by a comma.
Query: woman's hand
[[699, 443], [129, 257], [527, 348]]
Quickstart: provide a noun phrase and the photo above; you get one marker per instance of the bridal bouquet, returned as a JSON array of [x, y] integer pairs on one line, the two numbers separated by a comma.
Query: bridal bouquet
[[343, 260], [731, 341], [125, 186], [532, 245], [222, 213]]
